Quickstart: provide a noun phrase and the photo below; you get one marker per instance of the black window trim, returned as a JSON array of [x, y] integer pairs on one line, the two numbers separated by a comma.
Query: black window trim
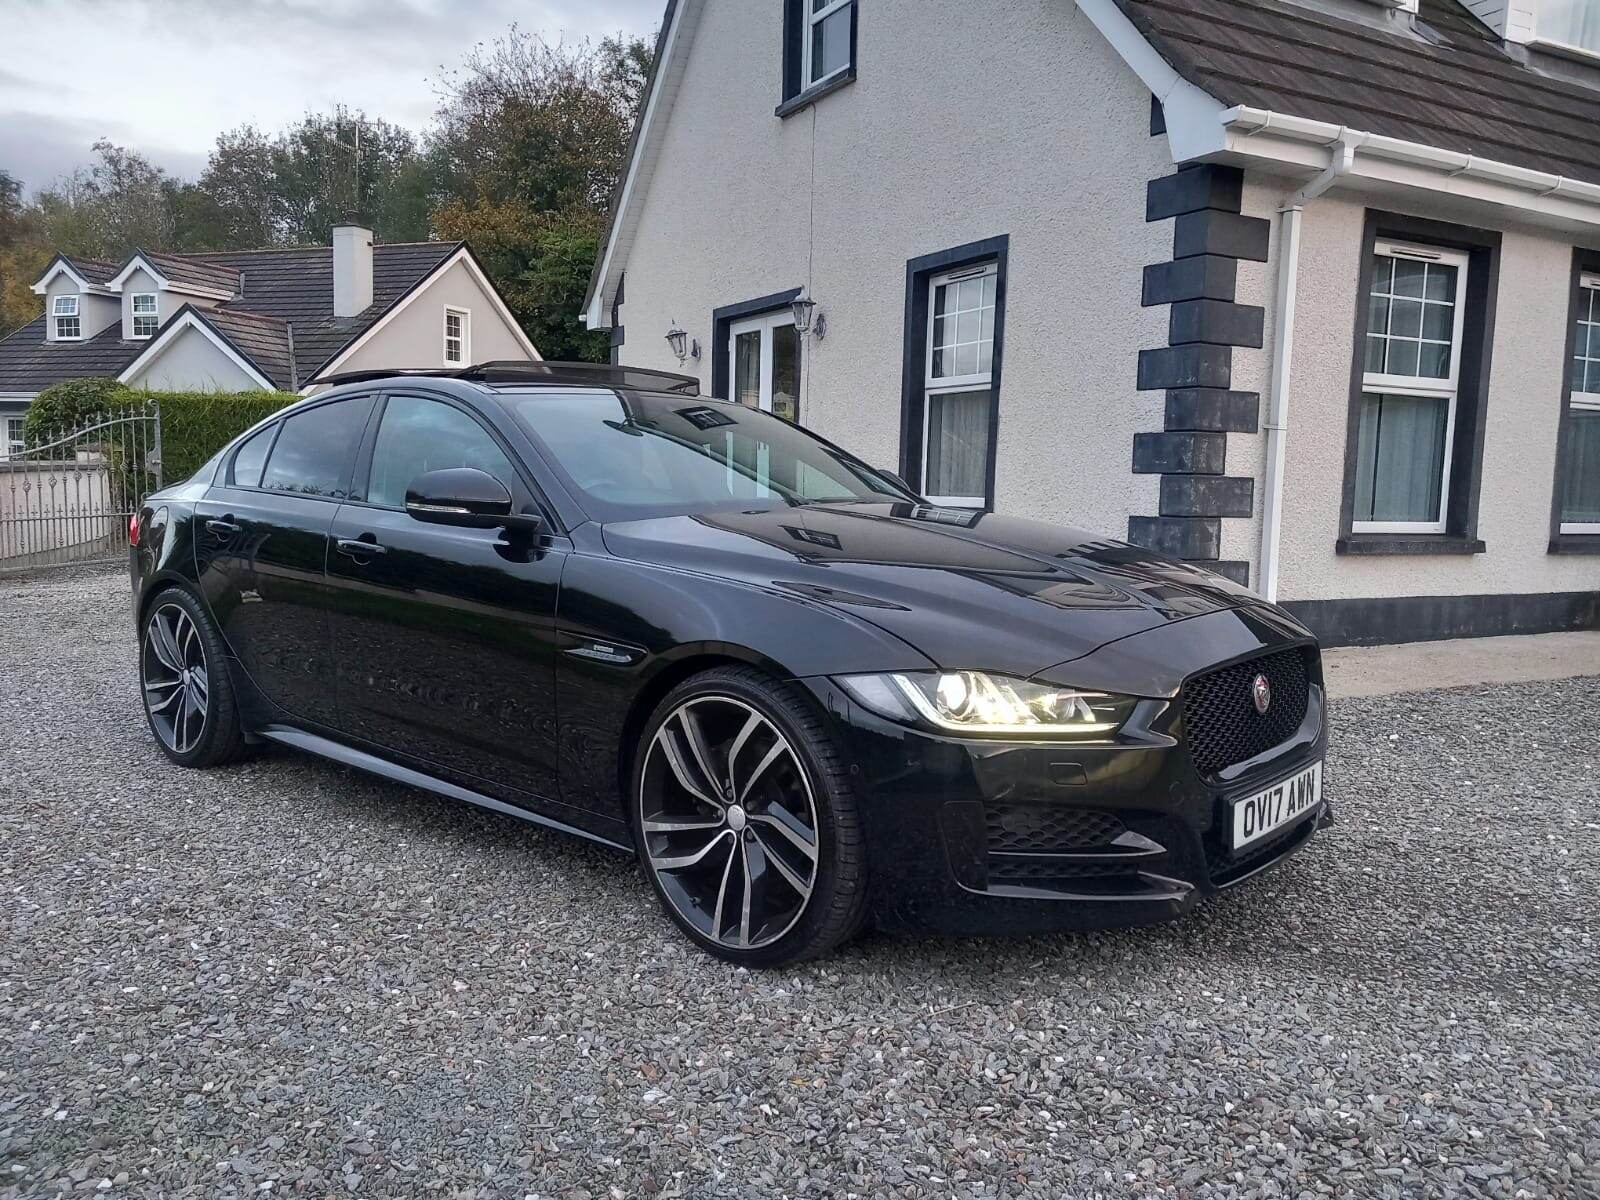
[[1482, 247], [913, 399], [722, 322], [796, 95], [1584, 262], [279, 422]]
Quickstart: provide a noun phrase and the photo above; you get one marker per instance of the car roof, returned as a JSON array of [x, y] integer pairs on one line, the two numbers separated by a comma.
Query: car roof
[[499, 374]]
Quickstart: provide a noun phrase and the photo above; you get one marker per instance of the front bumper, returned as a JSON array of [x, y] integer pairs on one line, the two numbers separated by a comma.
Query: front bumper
[[1135, 835]]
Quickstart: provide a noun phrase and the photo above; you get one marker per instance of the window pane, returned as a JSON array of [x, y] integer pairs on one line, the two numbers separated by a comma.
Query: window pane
[[1405, 319], [419, 435], [1375, 347], [1377, 313], [958, 444], [747, 369], [1439, 322], [1580, 491], [251, 457], [313, 452], [786, 372], [1408, 277], [830, 44], [962, 341], [1586, 345], [1440, 283], [967, 358], [1400, 458], [1434, 361], [144, 303], [1402, 358]]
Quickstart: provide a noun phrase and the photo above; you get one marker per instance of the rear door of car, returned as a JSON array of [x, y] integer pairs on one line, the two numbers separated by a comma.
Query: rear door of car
[[261, 548], [445, 637]]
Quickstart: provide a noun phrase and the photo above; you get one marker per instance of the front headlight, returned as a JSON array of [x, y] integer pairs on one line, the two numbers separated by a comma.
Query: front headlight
[[978, 702]]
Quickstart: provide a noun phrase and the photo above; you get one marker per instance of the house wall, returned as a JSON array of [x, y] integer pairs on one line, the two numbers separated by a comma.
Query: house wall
[[1519, 449], [95, 312], [415, 337], [191, 362], [957, 129]]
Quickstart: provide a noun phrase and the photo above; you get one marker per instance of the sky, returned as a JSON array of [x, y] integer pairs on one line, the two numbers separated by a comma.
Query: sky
[[164, 77]]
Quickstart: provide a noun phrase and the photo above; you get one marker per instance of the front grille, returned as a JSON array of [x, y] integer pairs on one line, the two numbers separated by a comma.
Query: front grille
[[1046, 829], [1219, 711]]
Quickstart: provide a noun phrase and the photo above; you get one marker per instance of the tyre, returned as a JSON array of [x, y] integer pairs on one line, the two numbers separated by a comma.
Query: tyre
[[745, 820], [188, 697]]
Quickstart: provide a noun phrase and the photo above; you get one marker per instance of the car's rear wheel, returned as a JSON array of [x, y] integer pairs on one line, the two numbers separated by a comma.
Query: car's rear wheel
[[745, 820], [188, 698]]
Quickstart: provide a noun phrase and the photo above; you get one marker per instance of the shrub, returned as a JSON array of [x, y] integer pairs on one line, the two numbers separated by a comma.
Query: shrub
[[65, 407], [194, 425]]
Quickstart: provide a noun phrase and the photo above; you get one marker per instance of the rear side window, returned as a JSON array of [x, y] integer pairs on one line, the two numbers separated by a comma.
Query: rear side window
[[312, 455], [250, 458]]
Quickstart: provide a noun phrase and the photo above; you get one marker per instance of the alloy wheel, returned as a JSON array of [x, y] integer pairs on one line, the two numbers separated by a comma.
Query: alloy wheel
[[177, 687], [730, 822]]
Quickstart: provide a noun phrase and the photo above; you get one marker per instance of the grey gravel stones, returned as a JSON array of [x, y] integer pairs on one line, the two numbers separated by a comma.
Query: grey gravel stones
[[287, 978]]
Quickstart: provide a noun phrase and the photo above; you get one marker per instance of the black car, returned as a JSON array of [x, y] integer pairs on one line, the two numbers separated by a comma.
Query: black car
[[805, 697]]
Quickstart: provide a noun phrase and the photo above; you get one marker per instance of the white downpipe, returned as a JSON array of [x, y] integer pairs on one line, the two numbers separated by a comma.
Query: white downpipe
[[1290, 213]]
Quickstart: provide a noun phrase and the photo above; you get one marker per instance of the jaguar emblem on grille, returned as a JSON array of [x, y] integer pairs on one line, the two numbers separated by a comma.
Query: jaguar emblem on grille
[[1261, 693]]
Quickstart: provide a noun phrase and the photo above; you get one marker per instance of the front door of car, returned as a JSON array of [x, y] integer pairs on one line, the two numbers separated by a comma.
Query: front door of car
[[444, 636], [261, 545]]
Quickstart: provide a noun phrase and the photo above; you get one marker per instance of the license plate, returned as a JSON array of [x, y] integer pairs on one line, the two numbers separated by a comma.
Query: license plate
[[1254, 817]]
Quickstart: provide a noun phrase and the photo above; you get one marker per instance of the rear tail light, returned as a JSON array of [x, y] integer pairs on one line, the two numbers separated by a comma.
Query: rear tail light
[[133, 530]]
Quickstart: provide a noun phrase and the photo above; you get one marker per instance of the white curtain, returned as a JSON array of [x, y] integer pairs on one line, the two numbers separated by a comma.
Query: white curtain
[[1580, 492], [1575, 22], [1400, 462], [958, 444]]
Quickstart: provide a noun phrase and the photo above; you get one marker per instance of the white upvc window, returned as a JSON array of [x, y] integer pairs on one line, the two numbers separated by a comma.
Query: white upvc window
[[958, 386], [10, 436], [1569, 24], [64, 312], [825, 40], [1580, 485], [145, 317], [1410, 385], [457, 337]]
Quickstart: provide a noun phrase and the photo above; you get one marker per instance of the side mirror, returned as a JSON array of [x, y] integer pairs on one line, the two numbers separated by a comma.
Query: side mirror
[[466, 498]]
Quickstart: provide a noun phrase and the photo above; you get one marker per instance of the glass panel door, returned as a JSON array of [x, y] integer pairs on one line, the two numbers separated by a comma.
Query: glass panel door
[[764, 364]]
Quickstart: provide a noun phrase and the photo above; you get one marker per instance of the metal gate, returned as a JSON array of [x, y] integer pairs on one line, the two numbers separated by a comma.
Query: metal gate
[[69, 498]]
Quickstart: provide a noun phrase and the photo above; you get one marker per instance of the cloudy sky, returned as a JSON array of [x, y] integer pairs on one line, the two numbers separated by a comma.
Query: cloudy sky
[[166, 76]]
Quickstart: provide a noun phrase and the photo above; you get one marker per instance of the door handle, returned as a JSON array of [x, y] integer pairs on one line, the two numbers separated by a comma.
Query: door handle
[[359, 547], [222, 528]]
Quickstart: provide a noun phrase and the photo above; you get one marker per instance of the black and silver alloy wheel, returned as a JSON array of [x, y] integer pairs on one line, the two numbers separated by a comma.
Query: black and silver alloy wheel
[[729, 821], [177, 688]]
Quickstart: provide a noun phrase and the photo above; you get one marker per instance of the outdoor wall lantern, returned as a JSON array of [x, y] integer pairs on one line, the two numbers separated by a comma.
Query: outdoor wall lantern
[[802, 306], [678, 339]]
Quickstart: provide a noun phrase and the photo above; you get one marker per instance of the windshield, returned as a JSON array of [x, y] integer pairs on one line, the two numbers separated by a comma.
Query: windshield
[[631, 455]]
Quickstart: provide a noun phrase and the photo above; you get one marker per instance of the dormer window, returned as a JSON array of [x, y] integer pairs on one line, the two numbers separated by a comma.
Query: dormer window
[[64, 312], [145, 317], [1573, 23]]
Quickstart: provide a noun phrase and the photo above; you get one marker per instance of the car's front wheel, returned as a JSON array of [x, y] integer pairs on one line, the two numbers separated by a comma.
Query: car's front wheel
[[188, 698], [745, 820]]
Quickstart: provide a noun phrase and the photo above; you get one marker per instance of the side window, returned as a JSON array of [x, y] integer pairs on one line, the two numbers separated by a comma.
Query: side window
[[418, 435], [250, 458], [312, 455], [819, 49]]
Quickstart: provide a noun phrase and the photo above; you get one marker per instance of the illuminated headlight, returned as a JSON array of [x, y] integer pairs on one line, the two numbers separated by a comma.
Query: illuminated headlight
[[978, 702]]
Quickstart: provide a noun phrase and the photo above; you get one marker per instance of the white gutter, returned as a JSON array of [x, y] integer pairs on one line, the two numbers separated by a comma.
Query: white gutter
[[1341, 160]]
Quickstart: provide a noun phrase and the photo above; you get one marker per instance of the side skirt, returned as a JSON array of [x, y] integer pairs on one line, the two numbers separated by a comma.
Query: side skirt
[[382, 767]]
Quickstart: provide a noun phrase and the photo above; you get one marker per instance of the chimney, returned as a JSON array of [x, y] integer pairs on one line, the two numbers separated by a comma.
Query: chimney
[[352, 268]]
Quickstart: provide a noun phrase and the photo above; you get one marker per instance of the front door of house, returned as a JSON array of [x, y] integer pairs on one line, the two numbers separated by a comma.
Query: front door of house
[[764, 363]]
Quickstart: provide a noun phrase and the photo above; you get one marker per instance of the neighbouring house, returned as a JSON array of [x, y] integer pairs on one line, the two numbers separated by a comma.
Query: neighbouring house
[[1298, 290], [242, 320]]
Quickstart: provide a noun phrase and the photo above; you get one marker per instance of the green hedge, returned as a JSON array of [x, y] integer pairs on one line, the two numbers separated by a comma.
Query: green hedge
[[194, 425]]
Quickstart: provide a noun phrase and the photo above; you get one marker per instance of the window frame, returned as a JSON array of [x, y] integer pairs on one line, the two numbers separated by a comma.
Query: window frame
[[465, 337], [1423, 387], [1476, 304], [134, 315], [1574, 537], [954, 385], [922, 275], [57, 315], [11, 444], [765, 325], [798, 91]]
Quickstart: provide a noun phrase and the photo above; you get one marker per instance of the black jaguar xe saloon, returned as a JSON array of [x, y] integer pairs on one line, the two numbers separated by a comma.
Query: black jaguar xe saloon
[[804, 696]]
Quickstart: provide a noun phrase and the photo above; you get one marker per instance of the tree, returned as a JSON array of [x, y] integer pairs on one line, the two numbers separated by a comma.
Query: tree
[[528, 142], [22, 256]]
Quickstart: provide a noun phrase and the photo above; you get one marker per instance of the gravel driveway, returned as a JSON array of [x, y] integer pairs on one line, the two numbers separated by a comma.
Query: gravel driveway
[[289, 977]]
